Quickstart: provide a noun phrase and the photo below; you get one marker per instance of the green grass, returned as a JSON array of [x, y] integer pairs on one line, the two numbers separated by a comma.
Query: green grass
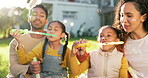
[[4, 52], [4, 57]]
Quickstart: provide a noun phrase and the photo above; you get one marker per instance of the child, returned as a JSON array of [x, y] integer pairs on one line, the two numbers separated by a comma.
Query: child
[[106, 61], [55, 55]]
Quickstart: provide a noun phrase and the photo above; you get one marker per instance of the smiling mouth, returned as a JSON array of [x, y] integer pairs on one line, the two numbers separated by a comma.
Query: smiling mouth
[[126, 27], [37, 22]]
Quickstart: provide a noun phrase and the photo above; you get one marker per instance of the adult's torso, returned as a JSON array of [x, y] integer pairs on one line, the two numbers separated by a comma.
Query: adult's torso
[[136, 52]]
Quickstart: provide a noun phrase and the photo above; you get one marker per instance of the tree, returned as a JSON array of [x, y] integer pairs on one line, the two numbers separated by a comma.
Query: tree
[[9, 18]]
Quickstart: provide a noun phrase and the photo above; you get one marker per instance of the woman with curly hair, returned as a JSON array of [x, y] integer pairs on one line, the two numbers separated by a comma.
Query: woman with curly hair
[[132, 19]]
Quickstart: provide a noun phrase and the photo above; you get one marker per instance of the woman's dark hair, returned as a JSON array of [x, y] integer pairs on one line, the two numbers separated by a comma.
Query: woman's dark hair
[[119, 36], [140, 5], [42, 7], [66, 40]]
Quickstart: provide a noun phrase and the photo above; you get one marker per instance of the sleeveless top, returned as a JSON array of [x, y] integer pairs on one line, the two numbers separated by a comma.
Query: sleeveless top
[[51, 65]]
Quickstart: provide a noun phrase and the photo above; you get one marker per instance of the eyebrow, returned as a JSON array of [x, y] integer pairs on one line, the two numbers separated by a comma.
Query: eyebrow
[[40, 12], [127, 13]]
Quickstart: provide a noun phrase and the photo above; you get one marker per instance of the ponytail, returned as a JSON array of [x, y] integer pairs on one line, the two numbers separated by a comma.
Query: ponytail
[[44, 46], [65, 47]]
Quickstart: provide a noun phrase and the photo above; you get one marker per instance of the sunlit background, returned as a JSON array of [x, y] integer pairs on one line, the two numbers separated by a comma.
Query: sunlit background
[[13, 3], [81, 17]]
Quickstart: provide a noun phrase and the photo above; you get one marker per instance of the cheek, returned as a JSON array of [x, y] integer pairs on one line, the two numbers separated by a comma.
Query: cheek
[[133, 20], [111, 39]]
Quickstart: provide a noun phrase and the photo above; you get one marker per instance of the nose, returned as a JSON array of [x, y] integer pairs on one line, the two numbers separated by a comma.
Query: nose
[[50, 32], [104, 38], [123, 19], [37, 16]]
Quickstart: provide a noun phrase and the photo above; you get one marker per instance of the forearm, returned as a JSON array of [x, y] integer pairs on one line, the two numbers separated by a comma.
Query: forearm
[[83, 57], [23, 57], [76, 68], [15, 68], [18, 69]]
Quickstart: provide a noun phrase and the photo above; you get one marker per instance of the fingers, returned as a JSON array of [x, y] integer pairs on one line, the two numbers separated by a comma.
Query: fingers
[[35, 67], [16, 34]]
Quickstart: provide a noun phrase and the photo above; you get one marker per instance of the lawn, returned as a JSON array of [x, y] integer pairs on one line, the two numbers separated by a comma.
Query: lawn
[[4, 54]]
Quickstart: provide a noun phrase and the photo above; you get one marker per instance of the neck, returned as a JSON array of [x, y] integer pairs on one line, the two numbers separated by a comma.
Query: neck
[[138, 35], [55, 45]]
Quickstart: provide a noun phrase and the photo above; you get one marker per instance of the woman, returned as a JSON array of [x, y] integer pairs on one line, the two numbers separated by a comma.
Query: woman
[[132, 18]]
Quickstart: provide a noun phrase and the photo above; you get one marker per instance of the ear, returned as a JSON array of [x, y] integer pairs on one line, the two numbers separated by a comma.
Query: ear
[[143, 17], [46, 21], [29, 19], [63, 35]]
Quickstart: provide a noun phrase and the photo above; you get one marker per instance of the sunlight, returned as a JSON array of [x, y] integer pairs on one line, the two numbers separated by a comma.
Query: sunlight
[[13, 3]]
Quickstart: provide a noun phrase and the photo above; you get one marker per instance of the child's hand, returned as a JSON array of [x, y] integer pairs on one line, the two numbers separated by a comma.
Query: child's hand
[[80, 50], [16, 34]]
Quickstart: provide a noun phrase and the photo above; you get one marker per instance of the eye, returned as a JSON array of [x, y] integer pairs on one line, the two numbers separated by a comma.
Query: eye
[[101, 36], [129, 16], [56, 29], [34, 14], [108, 35], [49, 29], [42, 15]]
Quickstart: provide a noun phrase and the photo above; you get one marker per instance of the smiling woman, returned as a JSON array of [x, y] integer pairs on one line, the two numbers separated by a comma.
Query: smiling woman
[[13, 3]]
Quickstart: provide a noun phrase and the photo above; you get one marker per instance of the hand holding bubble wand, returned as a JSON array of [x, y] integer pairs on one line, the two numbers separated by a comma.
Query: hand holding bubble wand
[[25, 31], [35, 60]]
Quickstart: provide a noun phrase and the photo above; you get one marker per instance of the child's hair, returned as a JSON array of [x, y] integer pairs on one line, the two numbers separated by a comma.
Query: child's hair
[[66, 40], [118, 33]]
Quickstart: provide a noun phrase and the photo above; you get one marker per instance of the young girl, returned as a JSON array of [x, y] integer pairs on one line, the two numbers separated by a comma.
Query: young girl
[[106, 61], [55, 55]]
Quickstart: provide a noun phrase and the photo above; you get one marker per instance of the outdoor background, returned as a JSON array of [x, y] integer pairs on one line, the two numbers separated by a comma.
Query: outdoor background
[[14, 14], [12, 17]]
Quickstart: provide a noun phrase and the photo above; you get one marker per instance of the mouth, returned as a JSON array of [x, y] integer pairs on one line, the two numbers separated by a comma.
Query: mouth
[[37, 22], [126, 26]]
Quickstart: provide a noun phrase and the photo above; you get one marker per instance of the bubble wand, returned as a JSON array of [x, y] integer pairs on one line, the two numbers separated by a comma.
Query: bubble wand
[[88, 44], [35, 60], [112, 43], [25, 31]]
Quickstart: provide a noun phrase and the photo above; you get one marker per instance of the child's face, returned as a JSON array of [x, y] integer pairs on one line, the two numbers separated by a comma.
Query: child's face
[[107, 35], [55, 28]]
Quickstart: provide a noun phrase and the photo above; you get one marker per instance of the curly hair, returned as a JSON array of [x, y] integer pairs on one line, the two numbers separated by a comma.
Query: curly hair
[[140, 5]]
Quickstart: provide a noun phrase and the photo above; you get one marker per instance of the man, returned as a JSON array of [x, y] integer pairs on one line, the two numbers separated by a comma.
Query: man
[[37, 19]]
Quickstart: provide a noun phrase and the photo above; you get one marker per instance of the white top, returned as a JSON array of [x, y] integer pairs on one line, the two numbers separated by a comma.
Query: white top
[[136, 52], [105, 64]]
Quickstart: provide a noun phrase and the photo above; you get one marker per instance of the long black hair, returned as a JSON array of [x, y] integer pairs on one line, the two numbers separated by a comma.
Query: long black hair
[[66, 40]]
